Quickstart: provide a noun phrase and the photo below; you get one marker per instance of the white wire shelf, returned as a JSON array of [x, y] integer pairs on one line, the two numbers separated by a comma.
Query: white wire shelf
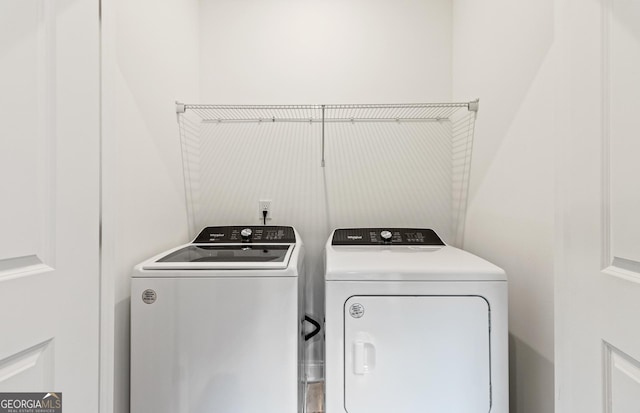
[[411, 112], [429, 144]]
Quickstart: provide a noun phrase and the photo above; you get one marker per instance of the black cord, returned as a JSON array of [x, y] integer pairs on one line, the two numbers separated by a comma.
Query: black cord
[[264, 216]]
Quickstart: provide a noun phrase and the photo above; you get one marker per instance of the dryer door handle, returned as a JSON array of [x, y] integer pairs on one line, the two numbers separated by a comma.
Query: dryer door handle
[[364, 357]]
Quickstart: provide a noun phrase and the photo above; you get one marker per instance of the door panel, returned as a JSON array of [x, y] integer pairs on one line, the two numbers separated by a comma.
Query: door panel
[[29, 367], [622, 381], [410, 353], [49, 177], [27, 52], [621, 375], [623, 44], [26, 241], [598, 278]]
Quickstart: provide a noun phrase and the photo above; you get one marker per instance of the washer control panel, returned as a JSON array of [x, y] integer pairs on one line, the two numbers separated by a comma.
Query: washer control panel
[[386, 236], [237, 234]]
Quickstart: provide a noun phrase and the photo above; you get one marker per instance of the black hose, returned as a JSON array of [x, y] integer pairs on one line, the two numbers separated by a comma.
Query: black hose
[[316, 326]]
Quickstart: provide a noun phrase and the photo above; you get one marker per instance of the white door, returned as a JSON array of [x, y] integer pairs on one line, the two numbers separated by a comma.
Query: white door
[[598, 278], [417, 353], [49, 186]]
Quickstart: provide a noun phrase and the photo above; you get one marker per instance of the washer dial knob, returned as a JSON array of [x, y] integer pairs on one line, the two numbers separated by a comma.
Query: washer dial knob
[[386, 236], [246, 234]]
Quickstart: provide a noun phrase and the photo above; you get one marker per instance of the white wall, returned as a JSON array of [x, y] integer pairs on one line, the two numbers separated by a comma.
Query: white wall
[[335, 51], [505, 53], [150, 59]]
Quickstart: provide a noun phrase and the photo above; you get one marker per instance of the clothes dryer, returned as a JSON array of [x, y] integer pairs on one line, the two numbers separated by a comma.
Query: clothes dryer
[[216, 324], [412, 325]]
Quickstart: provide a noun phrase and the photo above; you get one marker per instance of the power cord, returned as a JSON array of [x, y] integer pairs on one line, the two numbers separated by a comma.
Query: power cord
[[264, 216]]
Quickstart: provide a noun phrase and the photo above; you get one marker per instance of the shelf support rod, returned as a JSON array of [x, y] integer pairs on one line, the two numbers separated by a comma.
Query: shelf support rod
[[322, 163]]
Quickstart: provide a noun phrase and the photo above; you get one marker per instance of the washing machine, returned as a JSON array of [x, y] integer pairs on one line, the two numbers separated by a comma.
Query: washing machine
[[216, 324], [412, 325]]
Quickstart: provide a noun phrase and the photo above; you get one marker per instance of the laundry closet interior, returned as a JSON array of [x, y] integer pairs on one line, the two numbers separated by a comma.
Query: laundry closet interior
[[340, 114]]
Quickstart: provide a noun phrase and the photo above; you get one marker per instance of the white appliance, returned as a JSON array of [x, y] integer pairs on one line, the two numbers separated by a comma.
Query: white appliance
[[216, 325], [412, 325]]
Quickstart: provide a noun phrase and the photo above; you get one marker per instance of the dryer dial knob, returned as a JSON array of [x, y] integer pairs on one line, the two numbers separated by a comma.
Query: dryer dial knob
[[246, 234], [386, 236]]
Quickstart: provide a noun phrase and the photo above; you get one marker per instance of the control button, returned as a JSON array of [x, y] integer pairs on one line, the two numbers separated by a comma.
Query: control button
[[386, 236], [246, 234]]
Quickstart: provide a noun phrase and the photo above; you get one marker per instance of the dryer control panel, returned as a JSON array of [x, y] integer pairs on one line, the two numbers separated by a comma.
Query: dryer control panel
[[386, 236], [237, 234]]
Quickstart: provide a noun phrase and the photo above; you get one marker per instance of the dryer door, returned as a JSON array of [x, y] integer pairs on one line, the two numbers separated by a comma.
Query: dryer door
[[417, 353]]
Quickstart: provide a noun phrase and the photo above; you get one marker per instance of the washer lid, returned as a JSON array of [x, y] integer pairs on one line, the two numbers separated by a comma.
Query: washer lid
[[230, 248], [223, 256]]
